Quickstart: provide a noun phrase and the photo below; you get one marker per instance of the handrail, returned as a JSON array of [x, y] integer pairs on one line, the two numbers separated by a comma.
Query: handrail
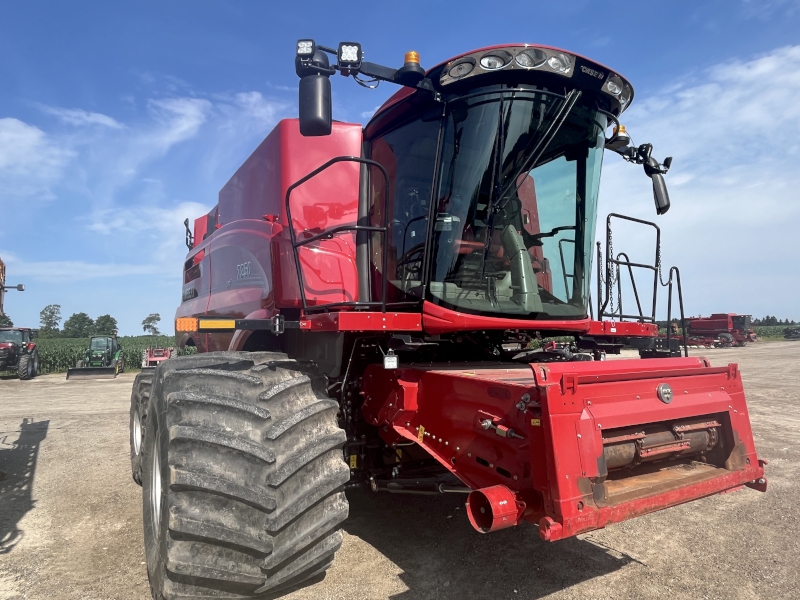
[[384, 229], [613, 266]]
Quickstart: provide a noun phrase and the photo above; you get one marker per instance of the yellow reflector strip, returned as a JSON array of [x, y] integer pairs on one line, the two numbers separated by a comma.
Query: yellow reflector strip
[[185, 324], [217, 323]]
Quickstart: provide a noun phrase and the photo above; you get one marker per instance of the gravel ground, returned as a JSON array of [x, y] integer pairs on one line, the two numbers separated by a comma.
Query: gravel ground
[[70, 515]]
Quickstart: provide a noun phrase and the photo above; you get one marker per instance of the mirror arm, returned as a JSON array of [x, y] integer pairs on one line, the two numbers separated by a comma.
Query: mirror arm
[[391, 75]]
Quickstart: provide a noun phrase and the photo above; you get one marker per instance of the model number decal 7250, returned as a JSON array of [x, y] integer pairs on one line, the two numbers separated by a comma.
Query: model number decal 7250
[[243, 270]]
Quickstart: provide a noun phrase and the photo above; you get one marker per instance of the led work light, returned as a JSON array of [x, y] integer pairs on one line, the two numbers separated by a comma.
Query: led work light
[[349, 55], [306, 48]]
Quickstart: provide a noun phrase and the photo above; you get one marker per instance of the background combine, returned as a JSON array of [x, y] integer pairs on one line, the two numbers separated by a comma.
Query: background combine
[[720, 330], [364, 302]]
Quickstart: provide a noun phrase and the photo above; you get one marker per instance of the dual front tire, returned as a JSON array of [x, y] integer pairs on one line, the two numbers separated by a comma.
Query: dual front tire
[[242, 471]]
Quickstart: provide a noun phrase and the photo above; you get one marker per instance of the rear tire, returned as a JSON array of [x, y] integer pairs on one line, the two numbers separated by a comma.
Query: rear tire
[[25, 367], [140, 397], [243, 476]]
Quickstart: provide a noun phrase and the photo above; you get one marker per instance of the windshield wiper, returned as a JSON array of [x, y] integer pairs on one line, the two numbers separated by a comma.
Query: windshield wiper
[[536, 152]]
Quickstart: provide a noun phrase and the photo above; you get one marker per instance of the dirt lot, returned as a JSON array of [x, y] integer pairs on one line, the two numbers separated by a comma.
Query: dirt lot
[[70, 516]]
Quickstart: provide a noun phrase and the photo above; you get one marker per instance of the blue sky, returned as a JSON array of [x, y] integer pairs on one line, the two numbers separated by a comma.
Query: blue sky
[[119, 120]]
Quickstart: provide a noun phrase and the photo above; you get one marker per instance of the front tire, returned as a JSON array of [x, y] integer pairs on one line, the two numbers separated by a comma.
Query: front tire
[[140, 397], [25, 367], [243, 476]]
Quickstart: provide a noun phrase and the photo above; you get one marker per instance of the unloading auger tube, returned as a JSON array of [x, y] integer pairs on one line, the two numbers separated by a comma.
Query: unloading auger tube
[[364, 302]]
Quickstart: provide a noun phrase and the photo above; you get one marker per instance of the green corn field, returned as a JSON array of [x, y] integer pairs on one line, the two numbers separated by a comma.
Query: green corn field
[[56, 355]]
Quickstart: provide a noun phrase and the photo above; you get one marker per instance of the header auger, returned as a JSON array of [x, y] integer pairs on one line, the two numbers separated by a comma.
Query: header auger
[[364, 301]]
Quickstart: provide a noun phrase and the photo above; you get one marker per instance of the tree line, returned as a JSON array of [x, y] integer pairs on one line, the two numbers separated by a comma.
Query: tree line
[[81, 325], [772, 321]]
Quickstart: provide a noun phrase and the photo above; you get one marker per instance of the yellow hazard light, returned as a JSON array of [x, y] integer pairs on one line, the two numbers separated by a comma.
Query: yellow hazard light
[[185, 324], [220, 324], [412, 57]]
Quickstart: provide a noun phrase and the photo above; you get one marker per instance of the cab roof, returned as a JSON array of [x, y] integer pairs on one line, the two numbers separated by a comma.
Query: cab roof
[[582, 64]]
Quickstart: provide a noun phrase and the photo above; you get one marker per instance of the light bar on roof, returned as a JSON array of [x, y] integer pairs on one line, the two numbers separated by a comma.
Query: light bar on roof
[[521, 58]]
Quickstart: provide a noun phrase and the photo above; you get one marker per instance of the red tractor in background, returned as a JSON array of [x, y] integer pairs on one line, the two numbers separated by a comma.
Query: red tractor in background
[[152, 357], [364, 301], [18, 351], [720, 330]]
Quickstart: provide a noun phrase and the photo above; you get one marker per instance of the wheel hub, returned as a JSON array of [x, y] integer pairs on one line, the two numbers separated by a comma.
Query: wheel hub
[[137, 433], [155, 490]]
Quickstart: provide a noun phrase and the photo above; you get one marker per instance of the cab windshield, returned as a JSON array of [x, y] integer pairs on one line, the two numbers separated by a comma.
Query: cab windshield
[[514, 201], [99, 343], [513, 236], [15, 337]]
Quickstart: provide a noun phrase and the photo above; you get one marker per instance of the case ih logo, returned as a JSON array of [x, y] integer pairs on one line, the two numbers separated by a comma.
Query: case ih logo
[[593, 73]]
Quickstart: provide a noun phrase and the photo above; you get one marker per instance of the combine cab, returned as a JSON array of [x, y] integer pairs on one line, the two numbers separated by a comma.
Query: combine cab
[[367, 302], [103, 359]]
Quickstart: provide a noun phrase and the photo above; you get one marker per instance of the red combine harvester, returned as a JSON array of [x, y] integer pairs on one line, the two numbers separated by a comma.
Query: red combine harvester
[[363, 301], [720, 330]]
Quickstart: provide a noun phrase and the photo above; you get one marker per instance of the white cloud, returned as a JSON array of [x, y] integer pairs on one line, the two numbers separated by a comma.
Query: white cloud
[[77, 116], [734, 131], [765, 9], [367, 114], [30, 161], [177, 120], [69, 271]]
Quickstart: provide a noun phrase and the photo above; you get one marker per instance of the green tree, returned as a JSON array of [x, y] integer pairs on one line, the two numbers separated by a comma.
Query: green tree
[[105, 325], [5, 321], [150, 324], [79, 325], [49, 319]]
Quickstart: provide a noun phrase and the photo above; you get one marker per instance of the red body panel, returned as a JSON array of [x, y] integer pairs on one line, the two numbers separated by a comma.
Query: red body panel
[[622, 329], [555, 469], [244, 267], [437, 320]]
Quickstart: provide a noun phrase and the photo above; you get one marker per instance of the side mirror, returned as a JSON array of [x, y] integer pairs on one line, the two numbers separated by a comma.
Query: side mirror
[[315, 95], [660, 194]]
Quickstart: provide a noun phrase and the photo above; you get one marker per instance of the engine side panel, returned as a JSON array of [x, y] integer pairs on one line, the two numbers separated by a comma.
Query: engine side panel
[[242, 263]]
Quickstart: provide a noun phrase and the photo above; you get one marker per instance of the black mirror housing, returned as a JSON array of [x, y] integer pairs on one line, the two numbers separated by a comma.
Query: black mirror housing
[[316, 114], [660, 194]]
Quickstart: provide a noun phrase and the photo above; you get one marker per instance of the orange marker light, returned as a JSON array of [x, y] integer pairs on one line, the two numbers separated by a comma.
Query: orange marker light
[[412, 57], [185, 324]]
